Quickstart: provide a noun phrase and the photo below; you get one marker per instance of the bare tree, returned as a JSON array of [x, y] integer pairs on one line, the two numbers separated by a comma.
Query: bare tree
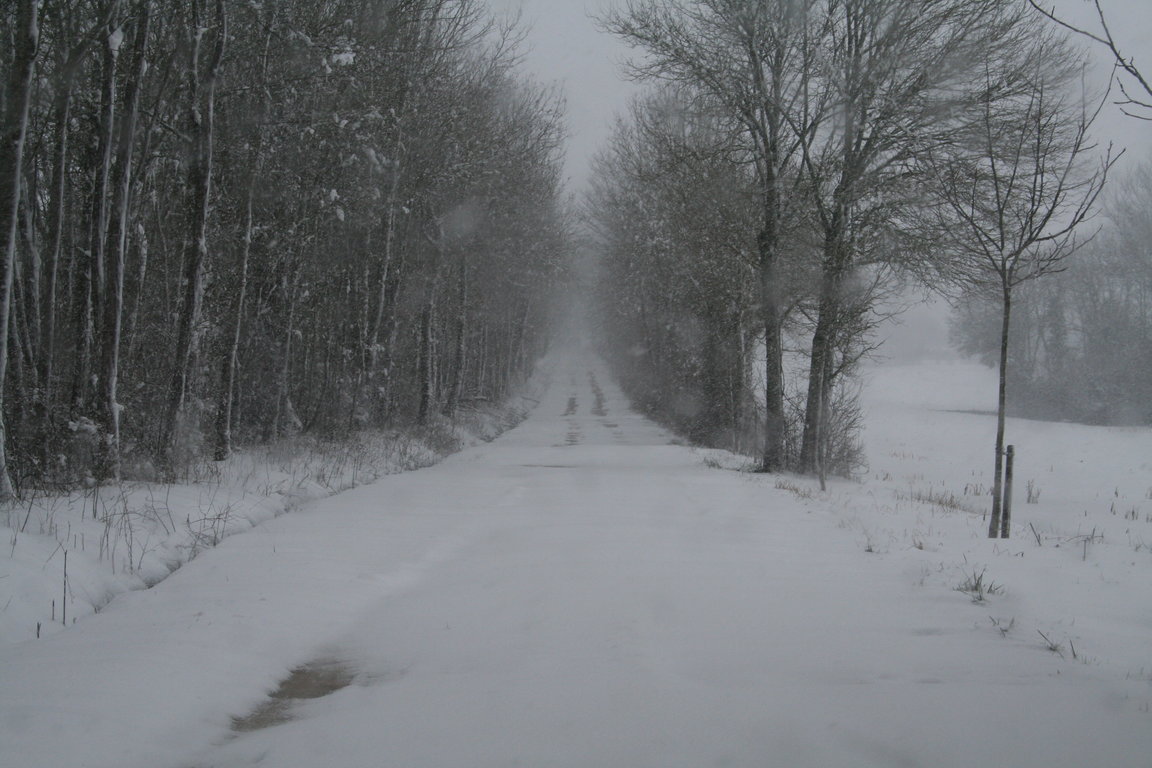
[[756, 61], [1132, 102], [117, 247], [89, 285], [894, 74], [200, 125], [265, 18], [1014, 191], [70, 53], [13, 129]]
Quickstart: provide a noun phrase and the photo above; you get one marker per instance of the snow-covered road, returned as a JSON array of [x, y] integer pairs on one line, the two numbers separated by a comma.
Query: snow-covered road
[[580, 592]]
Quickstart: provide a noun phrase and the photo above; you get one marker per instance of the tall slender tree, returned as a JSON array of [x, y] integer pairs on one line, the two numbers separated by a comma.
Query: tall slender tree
[[13, 130], [116, 249], [200, 115], [1015, 190]]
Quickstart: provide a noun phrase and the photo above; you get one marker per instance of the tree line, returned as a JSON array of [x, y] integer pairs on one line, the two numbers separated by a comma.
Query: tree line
[[228, 221], [793, 163]]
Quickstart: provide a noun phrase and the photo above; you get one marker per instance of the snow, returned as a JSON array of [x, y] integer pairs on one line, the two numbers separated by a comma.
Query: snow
[[132, 536], [115, 40], [584, 590]]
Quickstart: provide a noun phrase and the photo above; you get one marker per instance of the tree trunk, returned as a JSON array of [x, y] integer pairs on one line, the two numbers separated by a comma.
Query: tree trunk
[[285, 414], [13, 130], [1001, 404], [456, 384], [427, 366], [518, 359], [222, 448], [223, 443], [90, 273], [21, 345], [821, 368], [116, 247], [201, 114], [29, 302], [62, 117], [740, 384], [391, 206], [138, 292], [772, 459]]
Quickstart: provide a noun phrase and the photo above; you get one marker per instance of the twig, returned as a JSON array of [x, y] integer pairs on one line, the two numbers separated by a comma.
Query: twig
[[1054, 647]]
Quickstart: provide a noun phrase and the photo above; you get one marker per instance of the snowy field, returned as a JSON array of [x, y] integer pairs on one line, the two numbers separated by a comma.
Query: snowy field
[[583, 591]]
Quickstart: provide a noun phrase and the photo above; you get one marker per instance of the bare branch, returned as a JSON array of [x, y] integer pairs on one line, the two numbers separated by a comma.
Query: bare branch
[[1127, 64]]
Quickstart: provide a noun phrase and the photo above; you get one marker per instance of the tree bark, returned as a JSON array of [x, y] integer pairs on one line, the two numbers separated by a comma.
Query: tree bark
[[62, 116], [820, 368], [200, 117], [222, 447], [116, 247], [452, 401], [391, 205], [285, 414], [772, 459], [13, 131], [1001, 404], [384, 391], [69, 65], [229, 360], [90, 273], [427, 366]]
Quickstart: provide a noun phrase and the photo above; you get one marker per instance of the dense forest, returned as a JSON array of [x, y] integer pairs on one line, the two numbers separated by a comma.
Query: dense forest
[[231, 221]]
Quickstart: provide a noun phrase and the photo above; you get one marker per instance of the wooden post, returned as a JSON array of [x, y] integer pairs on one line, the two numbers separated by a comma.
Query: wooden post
[[1006, 516]]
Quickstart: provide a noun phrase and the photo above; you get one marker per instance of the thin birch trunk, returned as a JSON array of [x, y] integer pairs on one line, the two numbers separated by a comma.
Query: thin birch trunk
[[115, 249], [230, 359], [284, 415], [391, 207], [427, 366], [455, 385], [223, 441], [201, 115]]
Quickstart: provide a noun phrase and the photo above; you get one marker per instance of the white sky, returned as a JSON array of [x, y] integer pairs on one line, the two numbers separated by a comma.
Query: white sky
[[567, 49], [1131, 24]]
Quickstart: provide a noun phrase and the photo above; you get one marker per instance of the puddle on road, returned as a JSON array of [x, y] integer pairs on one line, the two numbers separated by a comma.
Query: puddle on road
[[313, 680]]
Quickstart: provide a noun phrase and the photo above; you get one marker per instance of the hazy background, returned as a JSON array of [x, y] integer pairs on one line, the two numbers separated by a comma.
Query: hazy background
[[565, 48]]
